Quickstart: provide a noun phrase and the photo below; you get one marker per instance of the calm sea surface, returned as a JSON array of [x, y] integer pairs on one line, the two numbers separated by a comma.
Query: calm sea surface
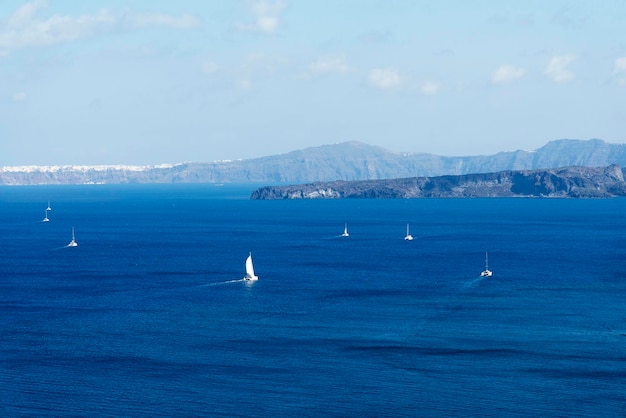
[[148, 315]]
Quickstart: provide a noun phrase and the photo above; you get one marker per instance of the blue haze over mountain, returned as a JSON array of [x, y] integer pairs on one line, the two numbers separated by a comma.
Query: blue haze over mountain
[[343, 161]]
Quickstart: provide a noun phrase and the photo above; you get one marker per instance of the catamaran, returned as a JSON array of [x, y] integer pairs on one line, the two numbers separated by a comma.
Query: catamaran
[[345, 231], [487, 272], [408, 236], [250, 277], [73, 241]]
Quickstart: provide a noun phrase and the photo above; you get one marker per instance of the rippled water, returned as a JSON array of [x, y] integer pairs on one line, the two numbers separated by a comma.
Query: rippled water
[[148, 315]]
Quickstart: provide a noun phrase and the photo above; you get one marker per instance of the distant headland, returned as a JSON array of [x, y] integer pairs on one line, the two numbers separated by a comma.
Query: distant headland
[[345, 161], [571, 182]]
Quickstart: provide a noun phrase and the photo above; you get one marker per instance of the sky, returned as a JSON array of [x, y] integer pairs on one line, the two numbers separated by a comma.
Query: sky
[[154, 81]]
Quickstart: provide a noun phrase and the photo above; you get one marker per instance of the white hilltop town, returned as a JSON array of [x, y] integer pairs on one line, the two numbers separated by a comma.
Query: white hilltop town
[[85, 174], [81, 168]]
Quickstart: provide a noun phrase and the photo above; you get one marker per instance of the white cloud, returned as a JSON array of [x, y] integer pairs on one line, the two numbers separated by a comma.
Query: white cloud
[[25, 13], [26, 29], [210, 67], [185, 21], [557, 70], [266, 16], [507, 74], [619, 70], [257, 65], [19, 97], [244, 84], [620, 65], [329, 64], [384, 78], [430, 87]]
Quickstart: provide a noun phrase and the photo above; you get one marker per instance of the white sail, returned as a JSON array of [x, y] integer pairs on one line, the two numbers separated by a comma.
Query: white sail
[[345, 231], [250, 269], [45, 217], [408, 236]]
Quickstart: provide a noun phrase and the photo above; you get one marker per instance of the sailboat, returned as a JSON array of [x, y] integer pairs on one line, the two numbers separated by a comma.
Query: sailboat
[[73, 241], [48, 208], [486, 272], [250, 277], [45, 217], [345, 231], [408, 236]]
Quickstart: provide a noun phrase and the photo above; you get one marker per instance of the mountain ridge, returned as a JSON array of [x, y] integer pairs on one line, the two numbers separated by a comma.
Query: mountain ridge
[[352, 160]]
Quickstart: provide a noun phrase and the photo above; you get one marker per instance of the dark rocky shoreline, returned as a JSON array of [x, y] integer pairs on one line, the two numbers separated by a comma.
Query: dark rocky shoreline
[[567, 182]]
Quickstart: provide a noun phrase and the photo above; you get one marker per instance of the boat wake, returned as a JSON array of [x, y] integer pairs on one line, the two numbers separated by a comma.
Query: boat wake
[[226, 282], [249, 279], [60, 248], [473, 283]]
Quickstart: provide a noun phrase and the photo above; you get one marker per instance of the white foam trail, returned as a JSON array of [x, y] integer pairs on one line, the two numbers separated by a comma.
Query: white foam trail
[[473, 283], [226, 282]]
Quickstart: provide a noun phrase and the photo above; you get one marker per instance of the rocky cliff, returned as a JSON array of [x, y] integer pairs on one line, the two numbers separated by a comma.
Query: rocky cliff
[[345, 161], [563, 182]]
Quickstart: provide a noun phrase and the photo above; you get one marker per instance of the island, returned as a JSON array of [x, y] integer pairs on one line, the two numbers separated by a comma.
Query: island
[[567, 182]]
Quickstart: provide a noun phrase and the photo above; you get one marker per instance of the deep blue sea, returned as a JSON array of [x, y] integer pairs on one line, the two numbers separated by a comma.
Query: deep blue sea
[[148, 315]]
